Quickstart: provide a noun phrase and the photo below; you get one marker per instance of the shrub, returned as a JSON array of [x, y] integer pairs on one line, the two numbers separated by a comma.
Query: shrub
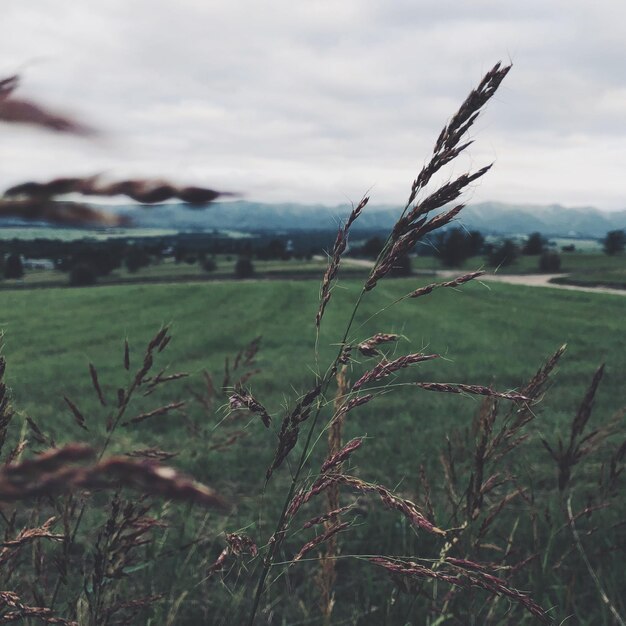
[[13, 266], [244, 267], [136, 258], [503, 255], [549, 261], [614, 242], [534, 244], [209, 264], [274, 250], [372, 247], [455, 246], [103, 257], [82, 275]]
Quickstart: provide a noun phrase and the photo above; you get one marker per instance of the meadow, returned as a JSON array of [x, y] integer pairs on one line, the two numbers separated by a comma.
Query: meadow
[[494, 335], [584, 268], [478, 331], [386, 452]]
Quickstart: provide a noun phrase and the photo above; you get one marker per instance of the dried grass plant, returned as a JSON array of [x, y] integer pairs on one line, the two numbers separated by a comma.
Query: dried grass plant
[[485, 537]]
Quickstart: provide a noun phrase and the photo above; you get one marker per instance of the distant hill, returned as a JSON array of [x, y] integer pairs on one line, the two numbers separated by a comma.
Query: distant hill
[[488, 217]]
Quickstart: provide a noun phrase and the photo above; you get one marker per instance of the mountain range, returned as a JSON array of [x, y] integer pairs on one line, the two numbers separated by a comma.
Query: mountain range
[[488, 217]]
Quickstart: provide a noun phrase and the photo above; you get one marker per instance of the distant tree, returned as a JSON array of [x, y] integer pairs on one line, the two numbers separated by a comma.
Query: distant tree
[[614, 242], [102, 257], [453, 247], [372, 247], [475, 243], [244, 248], [154, 248], [13, 266], [456, 245], [534, 244], [180, 253], [275, 249], [549, 261], [244, 267], [209, 264], [401, 266], [570, 247], [136, 258], [502, 255], [82, 275]]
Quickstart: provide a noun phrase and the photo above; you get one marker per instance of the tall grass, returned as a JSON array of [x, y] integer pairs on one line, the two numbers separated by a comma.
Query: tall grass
[[500, 526]]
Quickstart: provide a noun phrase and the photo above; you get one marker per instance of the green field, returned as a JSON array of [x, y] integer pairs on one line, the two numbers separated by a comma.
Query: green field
[[496, 335], [599, 271], [588, 269], [574, 262]]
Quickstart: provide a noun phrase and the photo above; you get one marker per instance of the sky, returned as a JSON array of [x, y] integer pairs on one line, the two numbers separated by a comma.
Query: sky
[[326, 100]]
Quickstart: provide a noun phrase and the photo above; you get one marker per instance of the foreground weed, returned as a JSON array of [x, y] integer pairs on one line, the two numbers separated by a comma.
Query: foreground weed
[[484, 537]]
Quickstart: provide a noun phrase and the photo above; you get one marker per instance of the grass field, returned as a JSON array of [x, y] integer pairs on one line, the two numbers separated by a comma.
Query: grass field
[[496, 335], [477, 330], [571, 262], [599, 270], [437, 473]]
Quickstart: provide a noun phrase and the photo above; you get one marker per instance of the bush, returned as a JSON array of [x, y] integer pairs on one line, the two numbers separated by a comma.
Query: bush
[[82, 275], [614, 242], [372, 247], [103, 257], [274, 250], [534, 244], [13, 266], [456, 245], [136, 258], [503, 255], [549, 262], [244, 268], [180, 253], [209, 264]]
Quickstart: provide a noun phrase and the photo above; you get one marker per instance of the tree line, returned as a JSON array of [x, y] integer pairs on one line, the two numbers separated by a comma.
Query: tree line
[[455, 245], [86, 261]]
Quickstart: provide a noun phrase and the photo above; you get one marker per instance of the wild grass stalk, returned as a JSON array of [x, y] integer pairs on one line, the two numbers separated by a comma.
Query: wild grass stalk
[[412, 225], [483, 538]]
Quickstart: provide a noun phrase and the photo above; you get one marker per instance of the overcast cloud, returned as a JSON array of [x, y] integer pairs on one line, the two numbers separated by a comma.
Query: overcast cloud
[[320, 101]]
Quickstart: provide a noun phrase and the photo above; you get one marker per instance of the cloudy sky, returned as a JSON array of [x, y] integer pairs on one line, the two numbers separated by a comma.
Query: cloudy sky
[[321, 100]]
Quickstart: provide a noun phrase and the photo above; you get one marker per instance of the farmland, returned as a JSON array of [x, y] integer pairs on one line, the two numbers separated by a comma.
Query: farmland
[[478, 329], [496, 335]]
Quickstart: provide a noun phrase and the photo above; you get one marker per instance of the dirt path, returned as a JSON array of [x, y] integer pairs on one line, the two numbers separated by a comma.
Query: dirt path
[[543, 280], [529, 280]]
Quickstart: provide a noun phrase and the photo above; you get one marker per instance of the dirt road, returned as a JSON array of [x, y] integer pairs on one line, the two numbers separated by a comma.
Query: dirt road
[[529, 280]]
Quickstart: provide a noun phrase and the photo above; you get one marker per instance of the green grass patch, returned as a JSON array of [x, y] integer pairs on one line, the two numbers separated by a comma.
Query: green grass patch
[[601, 271], [495, 335]]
